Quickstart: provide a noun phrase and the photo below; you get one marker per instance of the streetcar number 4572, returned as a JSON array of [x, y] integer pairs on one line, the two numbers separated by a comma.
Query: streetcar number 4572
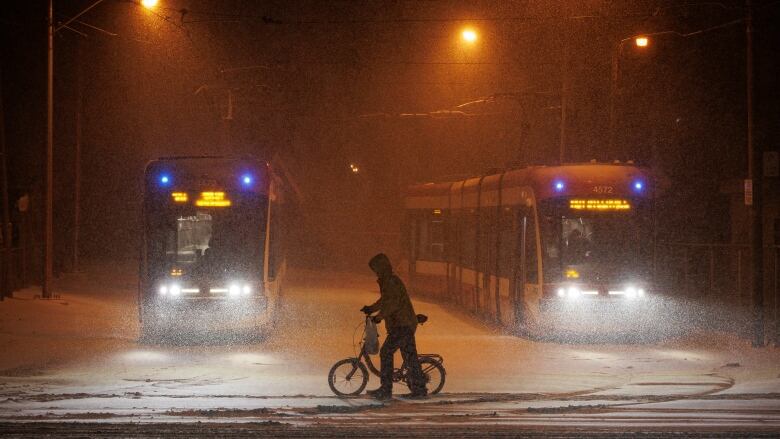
[[603, 189]]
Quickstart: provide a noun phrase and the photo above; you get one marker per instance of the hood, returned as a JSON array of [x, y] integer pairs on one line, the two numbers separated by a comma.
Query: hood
[[381, 265]]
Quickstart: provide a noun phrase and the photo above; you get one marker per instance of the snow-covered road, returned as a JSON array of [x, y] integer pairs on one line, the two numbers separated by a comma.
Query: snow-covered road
[[78, 359]]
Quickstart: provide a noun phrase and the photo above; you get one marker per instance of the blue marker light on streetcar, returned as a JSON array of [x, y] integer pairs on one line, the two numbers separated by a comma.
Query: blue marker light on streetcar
[[246, 180], [165, 179], [559, 186], [638, 186]]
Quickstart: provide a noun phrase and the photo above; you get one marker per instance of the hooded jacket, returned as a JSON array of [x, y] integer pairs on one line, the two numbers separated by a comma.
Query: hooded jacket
[[394, 305]]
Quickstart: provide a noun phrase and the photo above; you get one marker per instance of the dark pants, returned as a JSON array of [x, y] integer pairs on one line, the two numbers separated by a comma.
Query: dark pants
[[402, 338]]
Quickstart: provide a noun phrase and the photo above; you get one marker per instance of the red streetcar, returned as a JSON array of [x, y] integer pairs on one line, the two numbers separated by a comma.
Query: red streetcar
[[510, 246]]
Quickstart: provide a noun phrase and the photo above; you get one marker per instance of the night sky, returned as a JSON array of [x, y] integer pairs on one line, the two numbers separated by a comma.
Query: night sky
[[381, 84]]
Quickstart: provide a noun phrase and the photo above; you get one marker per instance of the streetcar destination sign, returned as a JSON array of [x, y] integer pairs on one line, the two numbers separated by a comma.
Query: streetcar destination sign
[[179, 197], [599, 204], [212, 199]]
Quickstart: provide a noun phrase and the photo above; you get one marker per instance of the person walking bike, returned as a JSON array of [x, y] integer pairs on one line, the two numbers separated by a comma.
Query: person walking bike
[[395, 308]]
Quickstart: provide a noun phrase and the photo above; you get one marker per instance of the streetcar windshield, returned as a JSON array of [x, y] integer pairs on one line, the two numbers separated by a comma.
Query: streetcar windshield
[[602, 242], [210, 241]]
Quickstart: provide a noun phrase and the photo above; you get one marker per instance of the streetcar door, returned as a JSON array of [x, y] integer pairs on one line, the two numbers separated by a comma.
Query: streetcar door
[[526, 272], [520, 273]]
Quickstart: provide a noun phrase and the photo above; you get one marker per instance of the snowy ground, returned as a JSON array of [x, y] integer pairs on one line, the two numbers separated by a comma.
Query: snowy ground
[[78, 359]]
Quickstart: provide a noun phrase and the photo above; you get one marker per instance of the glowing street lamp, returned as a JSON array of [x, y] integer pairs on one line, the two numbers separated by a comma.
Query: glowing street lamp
[[469, 35], [642, 42], [48, 225]]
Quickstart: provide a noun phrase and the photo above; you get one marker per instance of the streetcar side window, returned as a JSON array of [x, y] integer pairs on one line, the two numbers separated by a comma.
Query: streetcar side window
[[506, 242], [422, 238], [429, 237], [453, 234], [469, 238], [436, 235], [487, 241]]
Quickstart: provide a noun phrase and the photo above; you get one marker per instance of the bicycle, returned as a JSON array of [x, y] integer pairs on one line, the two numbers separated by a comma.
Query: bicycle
[[348, 377]]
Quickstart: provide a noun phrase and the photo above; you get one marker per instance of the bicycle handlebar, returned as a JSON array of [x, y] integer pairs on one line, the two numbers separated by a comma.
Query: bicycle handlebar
[[421, 318]]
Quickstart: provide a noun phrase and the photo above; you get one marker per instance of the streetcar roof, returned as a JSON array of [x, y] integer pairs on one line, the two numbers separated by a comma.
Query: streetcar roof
[[545, 182], [208, 172], [185, 161]]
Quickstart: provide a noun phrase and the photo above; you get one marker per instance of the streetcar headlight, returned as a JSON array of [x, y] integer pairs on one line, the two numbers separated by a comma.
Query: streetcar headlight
[[175, 290], [573, 293], [561, 292], [163, 290], [633, 292], [234, 290], [246, 289]]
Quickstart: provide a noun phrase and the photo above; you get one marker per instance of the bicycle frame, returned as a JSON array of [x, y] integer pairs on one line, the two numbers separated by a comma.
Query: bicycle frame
[[362, 363], [370, 364], [400, 372]]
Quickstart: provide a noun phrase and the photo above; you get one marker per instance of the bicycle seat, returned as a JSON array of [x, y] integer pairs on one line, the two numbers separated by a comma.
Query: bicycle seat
[[422, 318]]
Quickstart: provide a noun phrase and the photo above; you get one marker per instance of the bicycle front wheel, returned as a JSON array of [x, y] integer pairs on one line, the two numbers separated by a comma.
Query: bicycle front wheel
[[348, 377], [434, 375]]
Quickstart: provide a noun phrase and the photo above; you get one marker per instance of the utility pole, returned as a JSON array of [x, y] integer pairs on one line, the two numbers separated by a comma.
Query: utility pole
[[565, 78], [5, 284], [48, 227], [77, 165], [613, 90], [755, 171]]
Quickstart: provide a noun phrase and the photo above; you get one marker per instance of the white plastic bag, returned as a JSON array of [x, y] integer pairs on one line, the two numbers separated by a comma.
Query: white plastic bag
[[371, 338]]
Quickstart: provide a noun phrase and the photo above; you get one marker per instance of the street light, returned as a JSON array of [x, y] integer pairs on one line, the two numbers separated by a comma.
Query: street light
[[469, 35], [641, 41], [754, 158], [48, 229]]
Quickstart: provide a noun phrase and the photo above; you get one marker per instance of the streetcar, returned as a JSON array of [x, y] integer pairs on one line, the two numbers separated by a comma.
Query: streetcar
[[212, 254], [518, 245]]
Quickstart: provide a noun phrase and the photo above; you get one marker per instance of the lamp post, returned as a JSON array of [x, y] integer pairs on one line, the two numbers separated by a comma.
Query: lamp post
[[753, 183], [565, 86], [48, 228], [641, 41], [6, 232]]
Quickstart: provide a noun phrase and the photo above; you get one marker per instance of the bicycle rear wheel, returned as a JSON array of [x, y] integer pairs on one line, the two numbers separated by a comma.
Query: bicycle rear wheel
[[348, 377], [434, 375]]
